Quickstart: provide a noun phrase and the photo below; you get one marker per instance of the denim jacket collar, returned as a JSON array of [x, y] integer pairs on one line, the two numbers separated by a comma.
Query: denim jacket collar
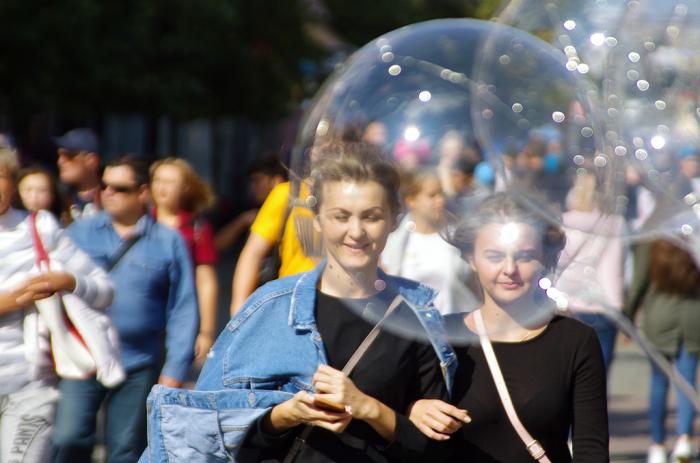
[[303, 301]]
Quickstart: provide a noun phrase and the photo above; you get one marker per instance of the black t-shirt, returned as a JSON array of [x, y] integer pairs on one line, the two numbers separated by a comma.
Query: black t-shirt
[[395, 370], [556, 381]]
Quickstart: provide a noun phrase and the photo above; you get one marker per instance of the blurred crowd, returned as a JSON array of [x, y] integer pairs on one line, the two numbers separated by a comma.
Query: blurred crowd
[[134, 241]]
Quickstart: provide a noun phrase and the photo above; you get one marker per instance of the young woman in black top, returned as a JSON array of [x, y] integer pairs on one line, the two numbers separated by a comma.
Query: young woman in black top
[[552, 365], [356, 206]]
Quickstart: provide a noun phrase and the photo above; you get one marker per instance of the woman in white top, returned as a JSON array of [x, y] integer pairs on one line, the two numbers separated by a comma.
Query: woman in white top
[[417, 251], [27, 381]]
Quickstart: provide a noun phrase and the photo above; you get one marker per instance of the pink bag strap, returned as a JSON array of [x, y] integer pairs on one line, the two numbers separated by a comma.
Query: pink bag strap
[[42, 257], [532, 445]]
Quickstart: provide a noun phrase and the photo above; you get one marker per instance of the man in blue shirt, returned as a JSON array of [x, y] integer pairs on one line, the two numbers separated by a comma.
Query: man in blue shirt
[[154, 297]]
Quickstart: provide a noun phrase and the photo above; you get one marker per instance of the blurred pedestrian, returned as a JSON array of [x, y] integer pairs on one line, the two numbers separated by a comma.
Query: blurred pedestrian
[[39, 190], [277, 230], [666, 287], [264, 174], [180, 196], [154, 299], [79, 169], [28, 392], [593, 260], [417, 251]]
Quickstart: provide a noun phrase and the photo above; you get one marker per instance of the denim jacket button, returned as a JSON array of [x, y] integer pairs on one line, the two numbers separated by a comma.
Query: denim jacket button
[[251, 399]]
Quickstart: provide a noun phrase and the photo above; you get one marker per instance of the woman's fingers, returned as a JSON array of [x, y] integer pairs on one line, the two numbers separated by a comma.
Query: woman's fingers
[[432, 434], [312, 412], [442, 423], [452, 411], [336, 427]]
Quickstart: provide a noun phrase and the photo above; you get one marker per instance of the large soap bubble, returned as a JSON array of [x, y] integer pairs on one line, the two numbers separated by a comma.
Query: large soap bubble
[[641, 59], [441, 94], [652, 101]]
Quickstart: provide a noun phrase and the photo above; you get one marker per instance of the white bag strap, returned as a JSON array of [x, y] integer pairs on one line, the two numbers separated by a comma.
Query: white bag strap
[[532, 445]]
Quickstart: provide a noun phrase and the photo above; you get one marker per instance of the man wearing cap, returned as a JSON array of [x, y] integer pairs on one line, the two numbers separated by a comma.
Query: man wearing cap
[[79, 169]]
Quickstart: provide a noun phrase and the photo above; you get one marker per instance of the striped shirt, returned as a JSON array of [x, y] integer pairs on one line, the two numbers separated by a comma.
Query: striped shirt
[[17, 263]]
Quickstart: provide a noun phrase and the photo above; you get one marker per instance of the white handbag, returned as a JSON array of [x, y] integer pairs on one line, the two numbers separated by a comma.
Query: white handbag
[[83, 340]]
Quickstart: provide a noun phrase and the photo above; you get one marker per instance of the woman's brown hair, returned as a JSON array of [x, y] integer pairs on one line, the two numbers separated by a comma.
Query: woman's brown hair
[[198, 195], [672, 269], [504, 207], [355, 162]]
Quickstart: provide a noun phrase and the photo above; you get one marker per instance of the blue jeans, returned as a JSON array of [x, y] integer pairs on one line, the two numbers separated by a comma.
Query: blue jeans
[[606, 332], [74, 429], [687, 367]]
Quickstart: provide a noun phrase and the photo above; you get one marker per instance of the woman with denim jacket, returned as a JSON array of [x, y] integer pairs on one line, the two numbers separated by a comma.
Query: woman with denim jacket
[[277, 365]]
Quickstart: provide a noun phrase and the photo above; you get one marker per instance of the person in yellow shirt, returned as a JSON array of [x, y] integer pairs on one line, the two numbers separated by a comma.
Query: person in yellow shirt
[[296, 241]]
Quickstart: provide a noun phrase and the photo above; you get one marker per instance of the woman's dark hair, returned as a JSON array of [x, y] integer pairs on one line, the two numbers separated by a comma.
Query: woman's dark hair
[[504, 208], [673, 270], [355, 162], [60, 206]]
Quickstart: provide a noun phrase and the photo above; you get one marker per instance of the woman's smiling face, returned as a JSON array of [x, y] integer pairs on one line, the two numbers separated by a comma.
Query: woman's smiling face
[[508, 261], [354, 220]]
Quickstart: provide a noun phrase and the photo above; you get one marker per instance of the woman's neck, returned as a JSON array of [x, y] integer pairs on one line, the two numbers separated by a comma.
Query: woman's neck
[[167, 217], [512, 323], [339, 282]]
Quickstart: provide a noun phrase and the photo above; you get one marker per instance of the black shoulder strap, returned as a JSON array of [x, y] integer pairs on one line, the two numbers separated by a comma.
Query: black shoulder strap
[[117, 256]]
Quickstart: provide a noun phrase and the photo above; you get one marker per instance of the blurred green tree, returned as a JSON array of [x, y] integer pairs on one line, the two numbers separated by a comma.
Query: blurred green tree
[[185, 58]]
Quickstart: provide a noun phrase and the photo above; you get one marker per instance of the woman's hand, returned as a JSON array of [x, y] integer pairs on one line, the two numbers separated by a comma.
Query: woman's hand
[[335, 386], [202, 346], [301, 409], [437, 419], [44, 285]]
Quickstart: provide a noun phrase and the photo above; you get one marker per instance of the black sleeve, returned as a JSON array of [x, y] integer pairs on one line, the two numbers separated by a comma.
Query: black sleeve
[[431, 383], [257, 438], [590, 414], [409, 443]]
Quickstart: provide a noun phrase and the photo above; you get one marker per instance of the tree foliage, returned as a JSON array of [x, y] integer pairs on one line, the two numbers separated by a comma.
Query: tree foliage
[[186, 58]]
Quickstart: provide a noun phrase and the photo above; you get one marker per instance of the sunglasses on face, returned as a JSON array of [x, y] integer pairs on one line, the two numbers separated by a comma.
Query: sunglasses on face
[[68, 154], [119, 188]]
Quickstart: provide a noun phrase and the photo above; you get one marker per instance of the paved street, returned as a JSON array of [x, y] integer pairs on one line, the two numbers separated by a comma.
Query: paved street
[[629, 389]]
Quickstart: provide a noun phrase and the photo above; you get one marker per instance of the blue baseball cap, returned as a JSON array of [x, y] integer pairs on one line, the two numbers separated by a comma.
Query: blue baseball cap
[[687, 151], [78, 140]]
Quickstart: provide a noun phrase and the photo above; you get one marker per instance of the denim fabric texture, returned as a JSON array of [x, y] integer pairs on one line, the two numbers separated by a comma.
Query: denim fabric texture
[[74, 429], [155, 292], [687, 365], [606, 332], [236, 386]]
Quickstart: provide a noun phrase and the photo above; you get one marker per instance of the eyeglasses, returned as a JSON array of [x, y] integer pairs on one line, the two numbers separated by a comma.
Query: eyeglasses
[[119, 188], [69, 154]]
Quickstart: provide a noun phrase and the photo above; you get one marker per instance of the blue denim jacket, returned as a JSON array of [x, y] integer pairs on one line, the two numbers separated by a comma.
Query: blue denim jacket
[[236, 386]]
